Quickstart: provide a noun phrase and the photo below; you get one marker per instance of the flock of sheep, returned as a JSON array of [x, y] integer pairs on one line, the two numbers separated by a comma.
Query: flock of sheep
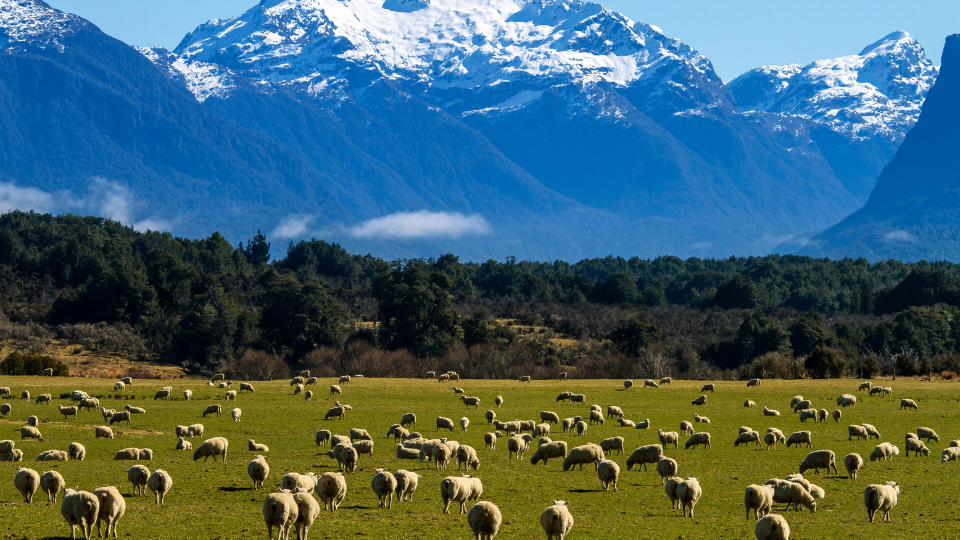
[[295, 505]]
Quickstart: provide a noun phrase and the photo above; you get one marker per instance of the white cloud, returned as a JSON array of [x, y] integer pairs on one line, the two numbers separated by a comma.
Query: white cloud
[[14, 197], [110, 200], [421, 224], [152, 224], [899, 235], [291, 227], [699, 246]]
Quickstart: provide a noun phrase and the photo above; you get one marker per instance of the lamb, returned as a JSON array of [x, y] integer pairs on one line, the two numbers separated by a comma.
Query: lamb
[[52, 483], [384, 485], [498, 401], [772, 527], [699, 401], [792, 493], [609, 472], [670, 488], [748, 437], [183, 444], [748, 403], [467, 456], [77, 451], [120, 417], [881, 497], [882, 451], [104, 432], [307, 512], [406, 484], [80, 509], [649, 383], [30, 432], [588, 453], [611, 444], [112, 508], [871, 431], [408, 419], [196, 430], [254, 446], [770, 412], [65, 411], [806, 414], [688, 493], [214, 447], [853, 463], [460, 489], [490, 440], [549, 417], [666, 468], [135, 410], [697, 439], [444, 423], [280, 510], [917, 447], [926, 433], [332, 488], [650, 453], [686, 428], [951, 453], [759, 499], [484, 520], [556, 449], [516, 445], [798, 438], [701, 419], [581, 428], [335, 412], [819, 459], [836, 415], [556, 520], [213, 410]]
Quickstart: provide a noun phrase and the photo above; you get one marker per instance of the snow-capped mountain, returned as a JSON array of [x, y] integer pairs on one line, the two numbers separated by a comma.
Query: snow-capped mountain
[[876, 93], [35, 25]]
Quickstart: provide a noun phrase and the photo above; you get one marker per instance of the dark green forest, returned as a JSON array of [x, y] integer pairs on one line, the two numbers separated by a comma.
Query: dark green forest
[[257, 311]]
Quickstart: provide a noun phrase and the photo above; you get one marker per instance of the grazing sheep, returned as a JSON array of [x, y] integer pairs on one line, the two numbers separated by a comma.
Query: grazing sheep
[[80, 509], [706, 387], [882, 451], [235, 414], [753, 382], [951, 453], [349, 457], [847, 400], [611, 444], [670, 488], [308, 395], [881, 497], [917, 447], [408, 419], [627, 384], [53, 455], [214, 447], [556, 449], [43, 398], [307, 512], [666, 380], [33, 421], [926, 433], [666, 468], [112, 508], [649, 383], [807, 414], [772, 527], [470, 401], [747, 437], [52, 484], [771, 440], [908, 404], [406, 484], [25, 395], [120, 417], [298, 389], [792, 494], [578, 398], [609, 472], [138, 476], [748, 403], [588, 453], [467, 456], [759, 499], [581, 428], [384, 485], [214, 410], [596, 417], [196, 430], [650, 453], [517, 445], [887, 391], [335, 412], [27, 481], [77, 451], [866, 385], [104, 432], [688, 493], [490, 440], [859, 432], [699, 401], [165, 394], [364, 447], [800, 437], [280, 510], [65, 411], [484, 520], [819, 459], [668, 438], [361, 434], [246, 386], [697, 439], [548, 417], [822, 415], [443, 378], [332, 488], [556, 520], [541, 430], [624, 423], [295, 481], [525, 378], [310, 381], [853, 463], [564, 396], [613, 411], [686, 428], [871, 431], [836, 414], [30, 432], [876, 390], [460, 489]]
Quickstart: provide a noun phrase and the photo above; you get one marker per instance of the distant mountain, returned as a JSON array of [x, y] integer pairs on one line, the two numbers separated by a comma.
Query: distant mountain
[[914, 210]]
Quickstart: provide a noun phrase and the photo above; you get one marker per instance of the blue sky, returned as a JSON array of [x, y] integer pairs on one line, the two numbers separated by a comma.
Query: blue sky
[[736, 35]]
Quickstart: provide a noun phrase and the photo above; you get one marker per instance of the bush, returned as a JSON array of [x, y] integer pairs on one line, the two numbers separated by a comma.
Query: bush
[[772, 365], [17, 363], [257, 366], [826, 363]]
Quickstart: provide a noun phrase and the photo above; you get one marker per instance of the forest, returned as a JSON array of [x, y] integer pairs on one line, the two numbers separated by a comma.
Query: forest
[[256, 311]]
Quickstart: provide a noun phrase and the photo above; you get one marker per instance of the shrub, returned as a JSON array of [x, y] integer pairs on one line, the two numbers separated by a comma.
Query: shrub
[[17, 363], [257, 366]]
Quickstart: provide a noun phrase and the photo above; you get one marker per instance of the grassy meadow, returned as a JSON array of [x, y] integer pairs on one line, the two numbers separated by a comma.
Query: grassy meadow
[[215, 500]]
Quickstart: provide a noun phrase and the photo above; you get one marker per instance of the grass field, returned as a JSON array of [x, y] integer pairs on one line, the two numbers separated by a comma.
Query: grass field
[[214, 500]]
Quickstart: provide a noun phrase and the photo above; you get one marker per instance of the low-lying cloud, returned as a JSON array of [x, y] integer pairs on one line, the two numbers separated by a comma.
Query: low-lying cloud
[[421, 224], [291, 227], [899, 235]]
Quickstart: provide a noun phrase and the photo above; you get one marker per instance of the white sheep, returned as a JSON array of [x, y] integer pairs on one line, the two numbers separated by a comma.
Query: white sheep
[[859, 432], [588, 453], [280, 510], [881, 497], [235, 414], [871, 431], [650, 453], [135, 410], [127, 454], [819, 459], [408, 419], [624, 423], [646, 424], [444, 423], [697, 439], [112, 508], [670, 488], [467, 456], [120, 417], [748, 403], [65, 411], [27, 481], [580, 427], [688, 493], [668, 437], [699, 401], [608, 472], [686, 428], [772, 527], [307, 512], [254, 446], [770, 412], [556, 520], [460, 489], [384, 485], [908, 404], [611, 444], [876, 390], [464, 422], [484, 520], [516, 445], [80, 509], [666, 468], [806, 414], [213, 410], [295, 481], [214, 447], [52, 483], [917, 447], [627, 384], [196, 430], [866, 385], [555, 449], [771, 440], [800, 437], [882, 451], [836, 414], [77, 451], [759, 499], [160, 484], [792, 494], [183, 444], [406, 484], [258, 469], [332, 488], [753, 382], [748, 437], [407, 453], [951, 453], [926, 433], [853, 463], [847, 400]]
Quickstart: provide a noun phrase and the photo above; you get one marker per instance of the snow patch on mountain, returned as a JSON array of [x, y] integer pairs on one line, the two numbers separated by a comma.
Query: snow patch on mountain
[[34, 24], [203, 80]]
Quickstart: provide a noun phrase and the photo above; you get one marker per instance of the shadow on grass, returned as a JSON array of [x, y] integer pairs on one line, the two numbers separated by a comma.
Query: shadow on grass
[[230, 489]]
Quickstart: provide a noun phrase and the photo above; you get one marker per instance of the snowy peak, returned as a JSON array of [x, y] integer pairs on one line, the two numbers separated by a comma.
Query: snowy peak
[[35, 25], [201, 79]]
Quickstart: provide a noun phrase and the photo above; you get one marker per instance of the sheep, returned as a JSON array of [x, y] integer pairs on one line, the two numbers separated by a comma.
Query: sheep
[[772, 527], [364, 447], [648, 383], [581, 428], [307, 512], [296, 380], [770, 412], [819, 459], [52, 483], [792, 493], [295, 481], [771, 440], [688, 493], [951, 453], [145, 454], [807, 414], [759, 499], [77, 451], [467, 457], [214, 447], [650, 453], [384, 485], [196, 430], [853, 463], [25, 395], [686, 428], [847, 400], [254, 446], [43, 398], [280, 510], [588, 453], [134, 410], [407, 453], [77, 396], [744, 429], [596, 417], [556, 520], [460, 489], [484, 520], [235, 414], [66, 411], [881, 497], [611, 444], [183, 444], [30, 432], [887, 391], [836, 414], [112, 508], [444, 423], [163, 394], [406, 485], [955, 443], [926, 433], [33, 421], [541, 430], [578, 398], [490, 440], [349, 457], [701, 419], [53, 455], [527, 425], [668, 437], [298, 389], [800, 437], [468, 401], [871, 431], [876, 390], [556, 449], [753, 382], [822, 415], [627, 384], [27, 481], [525, 378], [213, 410], [408, 419], [666, 468], [564, 396], [362, 434], [335, 390], [430, 375], [748, 437], [859, 432], [670, 488], [516, 445], [803, 404], [344, 379], [882, 451], [866, 385], [443, 378], [699, 401], [697, 439], [80, 509], [608, 472], [748, 403], [127, 381], [335, 412], [138, 476], [120, 417], [332, 488], [645, 424], [917, 447]]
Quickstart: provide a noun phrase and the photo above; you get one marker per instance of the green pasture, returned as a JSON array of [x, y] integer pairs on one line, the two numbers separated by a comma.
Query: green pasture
[[215, 500]]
